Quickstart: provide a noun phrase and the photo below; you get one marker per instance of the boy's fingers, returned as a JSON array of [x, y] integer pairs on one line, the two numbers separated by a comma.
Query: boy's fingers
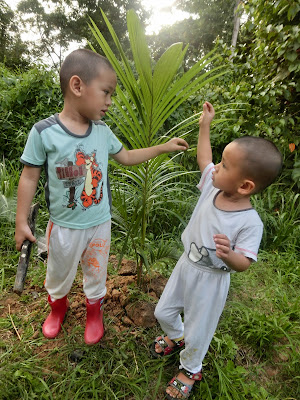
[[181, 142], [19, 243], [222, 249], [222, 242], [221, 239], [220, 236]]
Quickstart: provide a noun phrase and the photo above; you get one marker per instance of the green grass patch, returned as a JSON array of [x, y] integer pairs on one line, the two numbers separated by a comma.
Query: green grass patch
[[253, 354]]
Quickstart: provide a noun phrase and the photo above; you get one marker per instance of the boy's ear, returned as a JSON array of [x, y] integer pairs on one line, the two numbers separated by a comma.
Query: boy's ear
[[75, 85], [246, 187]]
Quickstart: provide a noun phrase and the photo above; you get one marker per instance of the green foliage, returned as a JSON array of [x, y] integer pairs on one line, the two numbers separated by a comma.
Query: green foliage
[[263, 81], [57, 24], [274, 59], [8, 183], [141, 109], [12, 48], [267, 318], [210, 20], [280, 213], [271, 65], [262, 330], [9, 177], [25, 98], [276, 38]]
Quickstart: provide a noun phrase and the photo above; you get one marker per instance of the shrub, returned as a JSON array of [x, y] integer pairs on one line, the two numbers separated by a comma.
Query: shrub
[[25, 98]]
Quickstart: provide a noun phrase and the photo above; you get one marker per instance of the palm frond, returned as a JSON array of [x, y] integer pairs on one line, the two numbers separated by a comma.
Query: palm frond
[[139, 112]]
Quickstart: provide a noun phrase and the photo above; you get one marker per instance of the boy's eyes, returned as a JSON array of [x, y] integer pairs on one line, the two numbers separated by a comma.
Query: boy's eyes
[[108, 92]]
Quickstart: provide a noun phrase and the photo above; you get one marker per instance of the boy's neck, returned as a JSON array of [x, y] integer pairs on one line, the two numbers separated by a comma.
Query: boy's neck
[[232, 202], [74, 121]]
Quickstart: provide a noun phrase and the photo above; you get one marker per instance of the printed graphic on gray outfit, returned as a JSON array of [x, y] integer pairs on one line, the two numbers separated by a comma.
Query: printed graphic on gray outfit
[[205, 256]]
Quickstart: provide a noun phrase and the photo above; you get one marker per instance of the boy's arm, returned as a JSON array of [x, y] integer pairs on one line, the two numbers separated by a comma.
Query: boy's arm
[[233, 260], [137, 156], [26, 191], [204, 153]]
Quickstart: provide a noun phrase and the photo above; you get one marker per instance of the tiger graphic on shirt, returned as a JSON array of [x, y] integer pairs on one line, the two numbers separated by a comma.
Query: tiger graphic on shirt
[[92, 179], [85, 171]]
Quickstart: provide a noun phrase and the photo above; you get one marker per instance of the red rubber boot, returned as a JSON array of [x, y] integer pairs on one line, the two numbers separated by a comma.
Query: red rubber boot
[[94, 329], [52, 325]]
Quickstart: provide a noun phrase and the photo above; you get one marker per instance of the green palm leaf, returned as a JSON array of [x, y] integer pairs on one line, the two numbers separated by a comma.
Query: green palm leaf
[[152, 92]]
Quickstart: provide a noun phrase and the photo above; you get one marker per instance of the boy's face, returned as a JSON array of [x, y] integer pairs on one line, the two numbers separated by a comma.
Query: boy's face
[[228, 173], [96, 96]]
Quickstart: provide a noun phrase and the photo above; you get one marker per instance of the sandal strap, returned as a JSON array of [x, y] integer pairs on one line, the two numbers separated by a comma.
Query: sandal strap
[[161, 342], [183, 388], [166, 348], [178, 343], [197, 376]]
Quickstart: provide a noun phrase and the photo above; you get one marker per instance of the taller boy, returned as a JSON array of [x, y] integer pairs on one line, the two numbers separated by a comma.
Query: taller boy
[[73, 147]]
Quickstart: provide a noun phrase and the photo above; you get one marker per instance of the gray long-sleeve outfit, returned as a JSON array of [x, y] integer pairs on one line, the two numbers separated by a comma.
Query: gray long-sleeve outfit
[[200, 281]]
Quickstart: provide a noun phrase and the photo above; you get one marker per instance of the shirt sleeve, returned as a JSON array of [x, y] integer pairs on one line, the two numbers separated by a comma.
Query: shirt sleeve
[[115, 146], [248, 241], [206, 181], [34, 152]]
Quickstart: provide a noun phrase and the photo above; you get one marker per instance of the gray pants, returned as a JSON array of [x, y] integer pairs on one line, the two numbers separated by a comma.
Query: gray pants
[[200, 292]]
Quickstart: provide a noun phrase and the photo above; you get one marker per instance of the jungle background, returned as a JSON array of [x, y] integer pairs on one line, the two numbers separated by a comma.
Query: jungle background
[[243, 57]]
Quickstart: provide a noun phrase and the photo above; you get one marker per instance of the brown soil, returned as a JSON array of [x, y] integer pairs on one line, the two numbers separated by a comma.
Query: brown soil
[[125, 307]]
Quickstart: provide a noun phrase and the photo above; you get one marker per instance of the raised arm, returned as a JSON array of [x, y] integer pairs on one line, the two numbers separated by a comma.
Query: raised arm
[[26, 191], [233, 260], [204, 153], [137, 156]]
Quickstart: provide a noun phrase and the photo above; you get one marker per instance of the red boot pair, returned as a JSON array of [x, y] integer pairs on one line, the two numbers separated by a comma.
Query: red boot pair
[[94, 329]]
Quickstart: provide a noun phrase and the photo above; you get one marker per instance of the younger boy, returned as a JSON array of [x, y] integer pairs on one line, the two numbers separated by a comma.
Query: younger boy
[[73, 146], [223, 235]]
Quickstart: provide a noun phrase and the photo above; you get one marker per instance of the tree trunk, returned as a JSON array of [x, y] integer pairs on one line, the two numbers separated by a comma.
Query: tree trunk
[[236, 26]]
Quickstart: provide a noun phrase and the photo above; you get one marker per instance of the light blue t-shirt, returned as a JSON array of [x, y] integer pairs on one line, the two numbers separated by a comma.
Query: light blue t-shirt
[[77, 188]]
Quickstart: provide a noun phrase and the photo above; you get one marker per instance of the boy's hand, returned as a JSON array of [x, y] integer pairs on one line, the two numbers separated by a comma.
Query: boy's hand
[[208, 114], [233, 260], [175, 144], [22, 233], [223, 248]]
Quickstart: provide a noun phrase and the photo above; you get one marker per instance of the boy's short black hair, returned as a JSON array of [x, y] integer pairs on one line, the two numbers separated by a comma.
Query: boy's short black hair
[[84, 63], [262, 162]]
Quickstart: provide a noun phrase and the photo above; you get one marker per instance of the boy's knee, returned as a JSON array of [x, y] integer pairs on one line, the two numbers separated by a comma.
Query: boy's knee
[[158, 313]]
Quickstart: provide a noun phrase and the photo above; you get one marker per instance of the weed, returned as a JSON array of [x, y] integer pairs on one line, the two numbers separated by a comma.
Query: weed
[[280, 213]]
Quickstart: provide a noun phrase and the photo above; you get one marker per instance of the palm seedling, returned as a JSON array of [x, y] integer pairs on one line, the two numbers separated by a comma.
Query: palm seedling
[[147, 94]]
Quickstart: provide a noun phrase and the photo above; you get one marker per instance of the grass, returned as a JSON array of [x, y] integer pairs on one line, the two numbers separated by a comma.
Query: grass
[[279, 208], [253, 354]]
